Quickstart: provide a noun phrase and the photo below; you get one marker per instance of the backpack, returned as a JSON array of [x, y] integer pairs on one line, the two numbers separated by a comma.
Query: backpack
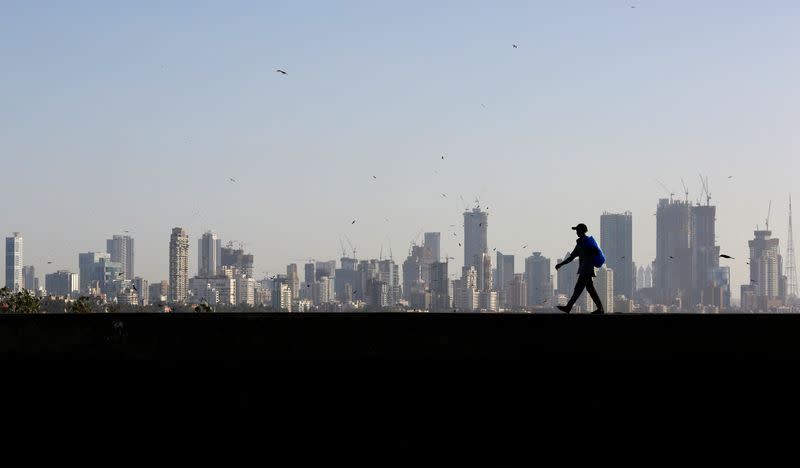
[[598, 259]]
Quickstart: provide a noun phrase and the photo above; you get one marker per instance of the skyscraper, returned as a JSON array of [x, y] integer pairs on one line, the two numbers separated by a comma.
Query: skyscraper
[[605, 287], [475, 236], [616, 241], [121, 250], [484, 272], [432, 247], [97, 269], [705, 252], [765, 269], [29, 277], [208, 251], [293, 279], [440, 287], [61, 283], [539, 280], [14, 258], [505, 276], [413, 285], [143, 288], [518, 293], [673, 266], [178, 265], [309, 273]]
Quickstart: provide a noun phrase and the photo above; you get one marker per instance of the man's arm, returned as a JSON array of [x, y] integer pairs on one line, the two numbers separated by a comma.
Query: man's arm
[[568, 259]]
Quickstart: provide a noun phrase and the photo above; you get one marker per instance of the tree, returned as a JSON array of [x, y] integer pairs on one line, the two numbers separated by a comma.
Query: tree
[[22, 302], [82, 305]]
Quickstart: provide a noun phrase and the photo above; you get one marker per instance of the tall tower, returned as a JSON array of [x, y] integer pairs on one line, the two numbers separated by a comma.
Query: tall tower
[[672, 275], [14, 279], [208, 255], [791, 265], [121, 250], [616, 240], [178, 265], [475, 236]]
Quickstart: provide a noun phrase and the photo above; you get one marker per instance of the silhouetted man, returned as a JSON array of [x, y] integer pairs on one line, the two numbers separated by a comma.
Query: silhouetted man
[[587, 251]]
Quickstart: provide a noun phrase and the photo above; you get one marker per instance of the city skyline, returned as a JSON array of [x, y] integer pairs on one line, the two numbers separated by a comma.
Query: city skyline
[[390, 129]]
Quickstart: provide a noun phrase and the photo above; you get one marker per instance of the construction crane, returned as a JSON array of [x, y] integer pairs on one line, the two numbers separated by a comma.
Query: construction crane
[[351, 246], [685, 190], [704, 183], [341, 244], [769, 211], [670, 192]]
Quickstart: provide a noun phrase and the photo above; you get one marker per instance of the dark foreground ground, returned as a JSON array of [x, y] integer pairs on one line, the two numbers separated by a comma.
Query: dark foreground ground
[[468, 375], [245, 337]]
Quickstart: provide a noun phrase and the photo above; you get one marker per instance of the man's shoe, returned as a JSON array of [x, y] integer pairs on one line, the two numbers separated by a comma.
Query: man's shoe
[[564, 309], [599, 311]]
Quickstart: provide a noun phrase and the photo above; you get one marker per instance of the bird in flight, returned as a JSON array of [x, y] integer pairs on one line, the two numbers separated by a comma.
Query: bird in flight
[[374, 177], [444, 196], [133, 286], [671, 257], [442, 157], [49, 263], [119, 274], [726, 256], [231, 179], [281, 72], [459, 244], [514, 46], [354, 221], [730, 177], [525, 246]]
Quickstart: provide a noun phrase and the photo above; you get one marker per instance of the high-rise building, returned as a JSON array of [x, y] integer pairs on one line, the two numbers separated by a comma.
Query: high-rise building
[[672, 276], [326, 268], [505, 276], [159, 292], [29, 277], [178, 265], [518, 292], [281, 295], [310, 273], [539, 280], [414, 287], [440, 287], [62, 283], [484, 272], [293, 278], [616, 241], [236, 258], [347, 275], [208, 255], [475, 236], [14, 258], [97, 270], [705, 252], [213, 290], [121, 250], [791, 263], [765, 269], [605, 287], [432, 246], [143, 289], [388, 272]]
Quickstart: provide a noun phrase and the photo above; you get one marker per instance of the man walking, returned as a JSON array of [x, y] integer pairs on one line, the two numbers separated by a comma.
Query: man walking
[[590, 256]]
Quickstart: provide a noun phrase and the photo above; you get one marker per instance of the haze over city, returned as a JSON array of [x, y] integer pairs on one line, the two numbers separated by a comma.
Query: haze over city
[[153, 115]]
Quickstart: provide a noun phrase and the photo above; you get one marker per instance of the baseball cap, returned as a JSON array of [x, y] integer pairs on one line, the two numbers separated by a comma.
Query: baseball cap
[[580, 227]]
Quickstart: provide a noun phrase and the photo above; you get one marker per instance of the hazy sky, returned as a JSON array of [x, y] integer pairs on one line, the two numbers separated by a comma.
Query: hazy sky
[[133, 115]]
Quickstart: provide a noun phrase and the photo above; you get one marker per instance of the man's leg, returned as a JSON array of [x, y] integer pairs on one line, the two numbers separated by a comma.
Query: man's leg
[[579, 286], [593, 293]]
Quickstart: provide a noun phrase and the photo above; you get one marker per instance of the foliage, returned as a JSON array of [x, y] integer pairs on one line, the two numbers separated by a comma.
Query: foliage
[[22, 302]]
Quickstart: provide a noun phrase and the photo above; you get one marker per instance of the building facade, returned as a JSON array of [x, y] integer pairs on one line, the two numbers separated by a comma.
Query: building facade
[[178, 265], [476, 226], [120, 248], [14, 259], [616, 241]]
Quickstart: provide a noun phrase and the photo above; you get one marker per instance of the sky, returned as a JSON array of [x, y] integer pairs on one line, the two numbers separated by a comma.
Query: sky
[[134, 115]]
